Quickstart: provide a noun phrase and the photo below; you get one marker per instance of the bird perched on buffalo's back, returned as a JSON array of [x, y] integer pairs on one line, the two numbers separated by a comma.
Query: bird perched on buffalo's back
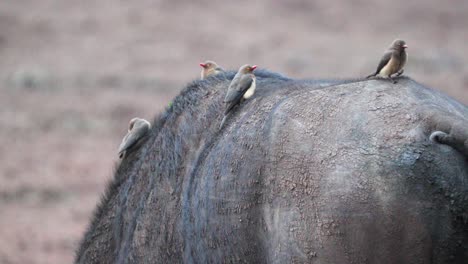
[[137, 129], [210, 68], [241, 88], [393, 60]]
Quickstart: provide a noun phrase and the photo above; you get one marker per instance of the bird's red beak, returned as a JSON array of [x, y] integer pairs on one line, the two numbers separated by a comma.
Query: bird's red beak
[[203, 65], [253, 67], [405, 46]]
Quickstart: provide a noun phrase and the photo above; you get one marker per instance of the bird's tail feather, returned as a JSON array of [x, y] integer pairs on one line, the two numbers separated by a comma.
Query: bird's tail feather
[[222, 122], [372, 75]]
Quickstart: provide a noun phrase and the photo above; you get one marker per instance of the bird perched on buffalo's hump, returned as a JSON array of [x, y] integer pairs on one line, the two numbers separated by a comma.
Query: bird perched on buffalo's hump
[[393, 60], [210, 68], [242, 87], [137, 129]]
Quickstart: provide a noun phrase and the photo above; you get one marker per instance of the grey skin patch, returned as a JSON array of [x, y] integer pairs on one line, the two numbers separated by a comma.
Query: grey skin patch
[[409, 157]]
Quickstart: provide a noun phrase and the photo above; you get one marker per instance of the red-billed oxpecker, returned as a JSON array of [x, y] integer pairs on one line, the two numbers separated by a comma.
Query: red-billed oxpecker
[[210, 68], [393, 61], [137, 129], [241, 88]]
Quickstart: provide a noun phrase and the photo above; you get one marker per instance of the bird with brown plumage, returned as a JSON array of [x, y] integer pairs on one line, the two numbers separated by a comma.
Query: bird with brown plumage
[[210, 68], [242, 87], [137, 129], [393, 61]]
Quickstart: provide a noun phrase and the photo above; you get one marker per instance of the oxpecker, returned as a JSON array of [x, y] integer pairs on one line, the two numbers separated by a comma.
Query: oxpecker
[[210, 68], [137, 129], [393, 61], [241, 88]]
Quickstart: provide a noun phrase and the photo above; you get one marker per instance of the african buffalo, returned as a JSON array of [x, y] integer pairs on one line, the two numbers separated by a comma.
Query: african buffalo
[[302, 172]]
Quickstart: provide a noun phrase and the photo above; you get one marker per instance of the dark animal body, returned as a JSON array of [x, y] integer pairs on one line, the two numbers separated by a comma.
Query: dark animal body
[[303, 172]]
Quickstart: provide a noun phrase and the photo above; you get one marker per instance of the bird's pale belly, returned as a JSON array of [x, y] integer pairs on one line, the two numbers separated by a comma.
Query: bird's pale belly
[[250, 91], [392, 67]]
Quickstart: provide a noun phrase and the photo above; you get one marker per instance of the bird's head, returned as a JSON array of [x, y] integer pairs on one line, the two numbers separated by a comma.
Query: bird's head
[[247, 69], [209, 68], [132, 123], [208, 65], [399, 44], [137, 122]]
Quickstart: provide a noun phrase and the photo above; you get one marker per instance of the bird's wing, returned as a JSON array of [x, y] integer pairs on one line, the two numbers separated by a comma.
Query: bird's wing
[[238, 87], [232, 91], [230, 105], [125, 143], [245, 83], [236, 91], [385, 59], [131, 138]]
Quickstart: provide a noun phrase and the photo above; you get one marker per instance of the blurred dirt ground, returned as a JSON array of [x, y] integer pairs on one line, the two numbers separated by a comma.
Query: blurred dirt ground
[[73, 73]]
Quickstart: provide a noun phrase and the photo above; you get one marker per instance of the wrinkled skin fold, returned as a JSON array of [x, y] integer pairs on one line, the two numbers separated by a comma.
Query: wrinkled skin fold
[[303, 172]]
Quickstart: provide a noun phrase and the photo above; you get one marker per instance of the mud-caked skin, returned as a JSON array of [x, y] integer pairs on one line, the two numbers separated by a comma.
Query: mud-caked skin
[[304, 172]]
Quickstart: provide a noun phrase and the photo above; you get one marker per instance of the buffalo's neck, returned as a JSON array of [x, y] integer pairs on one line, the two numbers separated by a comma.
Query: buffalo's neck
[[187, 133], [165, 167]]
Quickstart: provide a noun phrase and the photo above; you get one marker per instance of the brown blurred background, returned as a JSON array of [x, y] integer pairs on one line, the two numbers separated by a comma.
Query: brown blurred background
[[73, 73]]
